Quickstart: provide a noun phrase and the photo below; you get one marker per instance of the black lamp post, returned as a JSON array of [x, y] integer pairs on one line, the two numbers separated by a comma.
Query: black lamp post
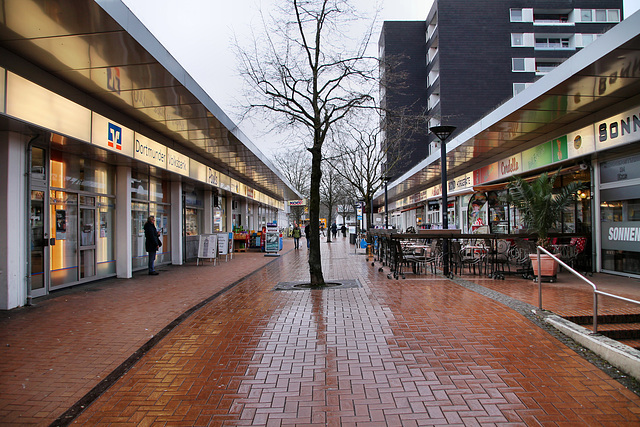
[[443, 133], [386, 180]]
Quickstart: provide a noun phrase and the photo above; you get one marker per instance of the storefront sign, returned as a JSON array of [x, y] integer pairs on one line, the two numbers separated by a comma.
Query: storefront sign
[[197, 171], [418, 197], [581, 142], [302, 202], [510, 166], [212, 176], [621, 129], [537, 157], [111, 136], [177, 162], [620, 169], [149, 151], [34, 104], [434, 192], [621, 236], [461, 184], [485, 174]]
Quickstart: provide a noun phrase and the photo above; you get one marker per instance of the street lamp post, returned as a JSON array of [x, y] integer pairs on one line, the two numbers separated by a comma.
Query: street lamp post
[[386, 180], [443, 133]]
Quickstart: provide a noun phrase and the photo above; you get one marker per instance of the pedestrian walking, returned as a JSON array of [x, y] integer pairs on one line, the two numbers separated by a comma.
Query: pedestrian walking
[[334, 230], [296, 236], [152, 243], [307, 232], [344, 230]]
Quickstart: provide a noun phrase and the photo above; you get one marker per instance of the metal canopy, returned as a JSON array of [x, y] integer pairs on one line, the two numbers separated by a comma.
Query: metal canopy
[[597, 82], [110, 55]]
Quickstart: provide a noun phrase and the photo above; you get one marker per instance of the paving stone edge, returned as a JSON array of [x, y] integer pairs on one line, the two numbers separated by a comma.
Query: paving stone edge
[[617, 360]]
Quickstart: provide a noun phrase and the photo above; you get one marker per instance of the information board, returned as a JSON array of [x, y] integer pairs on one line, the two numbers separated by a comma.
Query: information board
[[223, 243], [207, 245], [272, 243]]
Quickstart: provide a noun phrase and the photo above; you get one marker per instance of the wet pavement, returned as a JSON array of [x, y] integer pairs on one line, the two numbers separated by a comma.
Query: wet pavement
[[217, 345]]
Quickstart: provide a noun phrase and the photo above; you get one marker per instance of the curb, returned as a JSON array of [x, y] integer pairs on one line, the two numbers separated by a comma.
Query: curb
[[621, 356]]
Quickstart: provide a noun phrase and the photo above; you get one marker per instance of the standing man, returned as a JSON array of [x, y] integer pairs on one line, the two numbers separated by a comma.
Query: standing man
[[296, 236], [307, 232], [152, 243], [334, 230]]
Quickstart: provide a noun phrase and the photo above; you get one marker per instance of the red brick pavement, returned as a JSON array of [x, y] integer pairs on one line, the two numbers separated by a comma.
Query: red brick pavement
[[418, 352], [55, 352]]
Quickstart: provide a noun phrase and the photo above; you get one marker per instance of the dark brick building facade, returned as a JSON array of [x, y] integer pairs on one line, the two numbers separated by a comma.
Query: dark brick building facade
[[468, 57]]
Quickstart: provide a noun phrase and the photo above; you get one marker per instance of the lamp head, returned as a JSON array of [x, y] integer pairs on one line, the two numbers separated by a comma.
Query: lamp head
[[442, 132]]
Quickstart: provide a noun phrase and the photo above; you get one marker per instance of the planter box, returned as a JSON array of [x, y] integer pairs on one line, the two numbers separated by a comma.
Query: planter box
[[548, 265]]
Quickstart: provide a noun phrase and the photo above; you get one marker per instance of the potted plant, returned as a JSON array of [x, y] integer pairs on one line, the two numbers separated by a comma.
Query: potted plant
[[541, 208]]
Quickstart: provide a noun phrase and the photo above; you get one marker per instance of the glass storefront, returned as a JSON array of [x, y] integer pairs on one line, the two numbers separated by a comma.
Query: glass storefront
[[219, 215], [81, 219], [149, 196], [620, 215], [193, 221]]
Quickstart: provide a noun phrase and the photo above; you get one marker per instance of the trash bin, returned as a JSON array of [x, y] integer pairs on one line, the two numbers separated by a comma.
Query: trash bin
[[352, 238]]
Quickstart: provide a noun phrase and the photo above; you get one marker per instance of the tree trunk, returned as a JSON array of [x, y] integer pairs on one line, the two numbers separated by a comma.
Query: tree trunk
[[315, 262]]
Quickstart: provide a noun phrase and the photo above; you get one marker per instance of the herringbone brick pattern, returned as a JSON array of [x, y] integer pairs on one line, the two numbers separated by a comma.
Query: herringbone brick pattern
[[55, 352], [415, 352]]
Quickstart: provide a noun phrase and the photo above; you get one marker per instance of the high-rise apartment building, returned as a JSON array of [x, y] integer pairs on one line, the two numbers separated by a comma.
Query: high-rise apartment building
[[470, 56]]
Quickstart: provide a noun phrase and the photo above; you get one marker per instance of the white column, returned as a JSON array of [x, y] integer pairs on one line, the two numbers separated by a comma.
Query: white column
[[124, 250], [13, 221], [208, 212], [596, 221], [229, 211], [176, 223], [256, 216]]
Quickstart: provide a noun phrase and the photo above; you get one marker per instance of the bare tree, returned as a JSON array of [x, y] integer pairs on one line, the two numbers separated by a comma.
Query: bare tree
[[332, 190], [362, 156], [308, 73], [295, 166]]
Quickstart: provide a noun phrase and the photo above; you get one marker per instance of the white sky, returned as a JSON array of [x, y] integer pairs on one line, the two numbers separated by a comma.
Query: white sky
[[198, 34]]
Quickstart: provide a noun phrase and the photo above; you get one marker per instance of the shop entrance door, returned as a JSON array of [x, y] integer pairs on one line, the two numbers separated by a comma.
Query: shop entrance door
[[39, 236], [87, 239], [39, 228], [63, 251]]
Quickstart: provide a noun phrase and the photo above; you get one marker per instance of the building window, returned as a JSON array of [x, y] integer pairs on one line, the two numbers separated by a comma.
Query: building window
[[550, 18], [600, 15], [516, 15], [543, 66], [517, 64], [543, 42], [517, 39], [587, 39], [519, 87]]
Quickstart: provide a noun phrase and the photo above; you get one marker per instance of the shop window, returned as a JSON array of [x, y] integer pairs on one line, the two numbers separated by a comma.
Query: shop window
[[79, 174], [139, 186]]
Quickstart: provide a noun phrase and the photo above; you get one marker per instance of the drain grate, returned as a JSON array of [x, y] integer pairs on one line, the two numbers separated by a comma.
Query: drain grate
[[304, 285]]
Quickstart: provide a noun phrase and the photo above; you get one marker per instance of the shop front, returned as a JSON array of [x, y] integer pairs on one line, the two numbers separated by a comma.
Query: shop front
[[620, 215], [71, 217]]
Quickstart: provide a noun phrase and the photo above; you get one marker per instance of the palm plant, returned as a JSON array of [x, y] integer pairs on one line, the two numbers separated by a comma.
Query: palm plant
[[539, 206]]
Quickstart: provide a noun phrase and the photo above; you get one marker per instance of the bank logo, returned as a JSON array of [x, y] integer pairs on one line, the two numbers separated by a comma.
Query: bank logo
[[114, 138]]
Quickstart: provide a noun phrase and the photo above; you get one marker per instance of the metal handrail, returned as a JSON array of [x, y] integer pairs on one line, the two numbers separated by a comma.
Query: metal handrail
[[596, 292]]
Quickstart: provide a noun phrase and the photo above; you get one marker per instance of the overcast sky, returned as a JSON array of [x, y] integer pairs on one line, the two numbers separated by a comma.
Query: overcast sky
[[198, 34]]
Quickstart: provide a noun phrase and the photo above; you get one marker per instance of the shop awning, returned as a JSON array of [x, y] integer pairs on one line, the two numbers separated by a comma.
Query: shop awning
[[410, 209]]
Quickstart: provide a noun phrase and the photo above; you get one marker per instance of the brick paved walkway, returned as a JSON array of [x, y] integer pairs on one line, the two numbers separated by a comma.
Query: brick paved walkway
[[422, 351]]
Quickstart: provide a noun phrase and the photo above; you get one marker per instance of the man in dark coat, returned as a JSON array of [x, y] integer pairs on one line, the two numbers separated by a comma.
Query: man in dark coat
[[151, 242], [307, 232]]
